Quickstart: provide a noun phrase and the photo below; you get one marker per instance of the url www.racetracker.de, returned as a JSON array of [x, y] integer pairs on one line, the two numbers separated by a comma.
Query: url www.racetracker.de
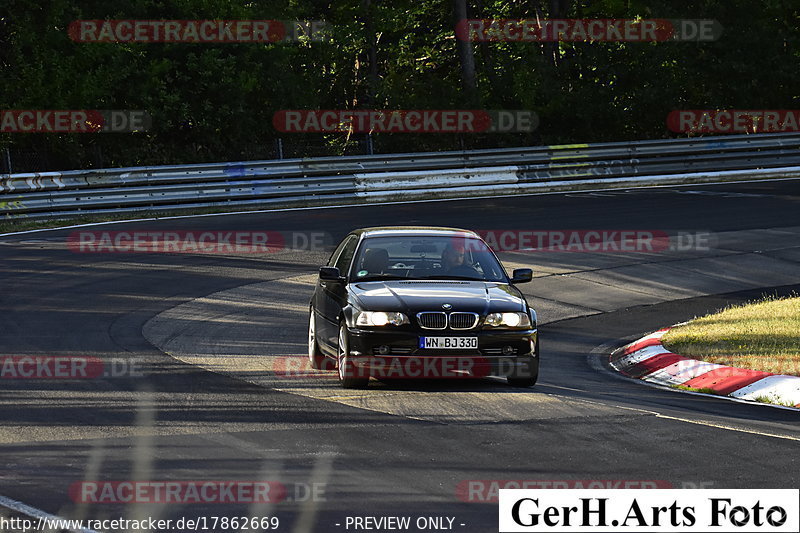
[[200, 523]]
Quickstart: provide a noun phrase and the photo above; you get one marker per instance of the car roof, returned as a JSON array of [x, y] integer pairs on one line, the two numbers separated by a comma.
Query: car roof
[[413, 231]]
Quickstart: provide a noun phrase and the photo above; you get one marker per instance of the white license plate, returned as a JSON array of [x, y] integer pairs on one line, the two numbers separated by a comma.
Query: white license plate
[[449, 343]]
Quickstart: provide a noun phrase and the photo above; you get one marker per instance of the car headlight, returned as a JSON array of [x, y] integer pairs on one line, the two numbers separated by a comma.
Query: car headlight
[[508, 320], [381, 318]]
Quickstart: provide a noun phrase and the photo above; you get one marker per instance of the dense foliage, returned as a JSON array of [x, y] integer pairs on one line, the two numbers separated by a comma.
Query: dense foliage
[[215, 102]]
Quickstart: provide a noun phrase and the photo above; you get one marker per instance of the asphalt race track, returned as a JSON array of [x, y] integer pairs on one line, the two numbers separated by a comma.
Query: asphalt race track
[[209, 333]]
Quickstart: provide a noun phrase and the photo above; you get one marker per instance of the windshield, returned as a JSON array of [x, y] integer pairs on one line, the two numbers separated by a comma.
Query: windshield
[[426, 257]]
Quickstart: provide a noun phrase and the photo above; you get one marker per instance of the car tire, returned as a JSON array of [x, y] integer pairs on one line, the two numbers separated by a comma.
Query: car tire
[[529, 377], [316, 359], [347, 370]]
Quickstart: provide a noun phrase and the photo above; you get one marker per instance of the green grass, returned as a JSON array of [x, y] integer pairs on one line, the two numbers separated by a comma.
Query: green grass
[[704, 390], [773, 401], [763, 335]]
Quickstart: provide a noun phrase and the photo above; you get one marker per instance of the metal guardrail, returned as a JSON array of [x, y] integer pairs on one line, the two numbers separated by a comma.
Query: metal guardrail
[[434, 175]]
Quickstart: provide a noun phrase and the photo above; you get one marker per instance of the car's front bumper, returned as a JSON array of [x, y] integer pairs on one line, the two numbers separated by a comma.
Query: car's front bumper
[[386, 353]]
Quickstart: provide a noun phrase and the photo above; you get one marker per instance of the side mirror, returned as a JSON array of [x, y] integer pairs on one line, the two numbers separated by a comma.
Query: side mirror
[[522, 275], [330, 274]]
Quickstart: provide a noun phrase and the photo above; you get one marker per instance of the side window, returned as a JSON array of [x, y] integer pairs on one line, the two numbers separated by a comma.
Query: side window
[[346, 255], [332, 259]]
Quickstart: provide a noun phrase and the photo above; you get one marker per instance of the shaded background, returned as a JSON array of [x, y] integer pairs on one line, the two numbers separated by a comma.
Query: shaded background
[[214, 102]]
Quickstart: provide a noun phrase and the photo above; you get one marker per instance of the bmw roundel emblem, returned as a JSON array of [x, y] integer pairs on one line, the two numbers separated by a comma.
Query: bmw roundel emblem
[[447, 307]]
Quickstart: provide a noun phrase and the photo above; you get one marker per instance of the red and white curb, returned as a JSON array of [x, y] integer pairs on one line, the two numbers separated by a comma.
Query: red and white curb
[[648, 360]]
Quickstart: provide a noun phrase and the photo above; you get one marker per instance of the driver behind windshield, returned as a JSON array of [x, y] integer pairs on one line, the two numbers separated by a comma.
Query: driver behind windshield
[[453, 262]]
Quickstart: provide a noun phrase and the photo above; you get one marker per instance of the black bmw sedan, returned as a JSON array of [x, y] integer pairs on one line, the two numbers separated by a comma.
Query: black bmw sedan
[[421, 302]]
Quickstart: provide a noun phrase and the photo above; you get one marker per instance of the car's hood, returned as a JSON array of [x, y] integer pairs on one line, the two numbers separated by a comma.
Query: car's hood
[[415, 296]]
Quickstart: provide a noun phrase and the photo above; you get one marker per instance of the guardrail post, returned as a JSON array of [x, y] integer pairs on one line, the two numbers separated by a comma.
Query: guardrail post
[[279, 148], [369, 145], [8, 161]]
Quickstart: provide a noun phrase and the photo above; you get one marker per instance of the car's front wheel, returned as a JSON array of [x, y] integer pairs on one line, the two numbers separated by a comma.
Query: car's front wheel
[[349, 376]]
